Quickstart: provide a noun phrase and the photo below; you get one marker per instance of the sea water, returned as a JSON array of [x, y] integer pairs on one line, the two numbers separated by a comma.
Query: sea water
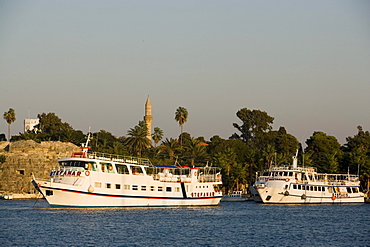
[[34, 223]]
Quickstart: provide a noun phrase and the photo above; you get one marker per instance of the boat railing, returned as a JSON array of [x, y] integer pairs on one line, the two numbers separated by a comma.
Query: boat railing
[[204, 174], [119, 158]]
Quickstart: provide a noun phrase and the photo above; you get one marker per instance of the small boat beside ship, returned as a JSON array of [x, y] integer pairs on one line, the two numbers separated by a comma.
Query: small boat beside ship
[[303, 185], [90, 179], [235, 196]]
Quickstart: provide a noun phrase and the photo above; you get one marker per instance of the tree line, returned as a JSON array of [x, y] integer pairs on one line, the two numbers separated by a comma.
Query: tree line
[[254, 146]]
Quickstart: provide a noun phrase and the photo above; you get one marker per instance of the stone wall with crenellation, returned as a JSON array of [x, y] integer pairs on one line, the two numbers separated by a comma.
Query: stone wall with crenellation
[[24, 158]]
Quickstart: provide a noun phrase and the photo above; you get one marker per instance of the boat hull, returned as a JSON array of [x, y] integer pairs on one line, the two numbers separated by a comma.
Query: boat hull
[[272, 195], [66, 197]]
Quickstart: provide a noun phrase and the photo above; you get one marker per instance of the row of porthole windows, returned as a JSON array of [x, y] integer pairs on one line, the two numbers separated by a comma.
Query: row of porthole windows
[[308, 187], [137, 187], [321, 188], [204, 186]]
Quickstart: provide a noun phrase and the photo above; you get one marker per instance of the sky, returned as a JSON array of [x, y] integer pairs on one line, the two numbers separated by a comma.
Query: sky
[[94, 63]]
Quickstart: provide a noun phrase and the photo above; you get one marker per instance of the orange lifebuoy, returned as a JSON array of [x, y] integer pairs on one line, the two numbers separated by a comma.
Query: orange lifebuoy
[[333, 198], [296, 181], [287, 180], [195, 173], [87, 173], [110, 168]]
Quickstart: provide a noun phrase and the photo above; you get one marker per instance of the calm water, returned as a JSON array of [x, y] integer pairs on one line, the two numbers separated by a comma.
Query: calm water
[[24, 223]]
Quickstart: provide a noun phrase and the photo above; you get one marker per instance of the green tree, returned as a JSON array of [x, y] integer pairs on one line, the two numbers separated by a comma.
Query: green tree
[[233, 173], [157, 135], [254, 124], [320, 145], [195, 150], [137, 141], [170, 146], [181, 116], [357, 155], [10, 118]]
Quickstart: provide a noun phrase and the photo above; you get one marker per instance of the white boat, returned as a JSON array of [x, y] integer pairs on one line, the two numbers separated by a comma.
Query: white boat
[[7, 196], [105, 180], [235, 196], [304, 185]]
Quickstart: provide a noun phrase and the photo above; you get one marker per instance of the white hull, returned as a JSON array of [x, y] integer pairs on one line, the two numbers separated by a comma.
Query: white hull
[[293, 196], [254, 194], [73, 198], [103, 182]]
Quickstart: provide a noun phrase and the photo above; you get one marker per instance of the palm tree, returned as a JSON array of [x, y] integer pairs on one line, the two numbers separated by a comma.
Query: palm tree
[[157, 135], [9, 118], [195, 150], [181, 116], [137, 142], [170, 146]]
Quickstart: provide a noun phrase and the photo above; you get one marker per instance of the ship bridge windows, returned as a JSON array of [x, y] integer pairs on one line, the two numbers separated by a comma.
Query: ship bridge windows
[[106, 167], [77, 165], [122, 169]]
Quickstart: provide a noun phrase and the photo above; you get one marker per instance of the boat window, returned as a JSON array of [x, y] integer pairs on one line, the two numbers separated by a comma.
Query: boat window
[[168, 189], [299, 187], [294, 186], [151, 188], [136, 170], [106, 167], [330, 189], [290, 174], [265, 174], [349, 190], [177, 189], [151, 170], [107, 186], [160, 188], [122, 169], [143, 187], [319, 188], [97, 184], [118, 186], [126, 186], [323, 188], [134, 187], [355, 190]]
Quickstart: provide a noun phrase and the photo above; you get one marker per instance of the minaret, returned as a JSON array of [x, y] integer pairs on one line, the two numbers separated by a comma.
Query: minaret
[[148, 118]]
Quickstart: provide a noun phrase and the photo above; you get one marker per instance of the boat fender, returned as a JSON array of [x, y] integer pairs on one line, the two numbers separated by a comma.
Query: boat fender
[[287, 180], [333, 198], [178, 179], [303, 197], [87, 173], [90, 189], [286, 193]]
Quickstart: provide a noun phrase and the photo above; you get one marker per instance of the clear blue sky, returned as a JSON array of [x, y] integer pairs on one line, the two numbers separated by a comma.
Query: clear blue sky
[[306, 63]]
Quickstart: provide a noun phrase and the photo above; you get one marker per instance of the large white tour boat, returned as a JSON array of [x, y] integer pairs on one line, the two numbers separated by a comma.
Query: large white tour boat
[[105, 180], [304, 185]]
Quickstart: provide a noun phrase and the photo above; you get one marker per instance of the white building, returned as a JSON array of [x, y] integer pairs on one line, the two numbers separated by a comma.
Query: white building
[[29, 124]]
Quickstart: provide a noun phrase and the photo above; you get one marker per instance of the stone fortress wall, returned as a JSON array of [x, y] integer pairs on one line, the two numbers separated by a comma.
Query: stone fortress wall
[[24, 158]]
